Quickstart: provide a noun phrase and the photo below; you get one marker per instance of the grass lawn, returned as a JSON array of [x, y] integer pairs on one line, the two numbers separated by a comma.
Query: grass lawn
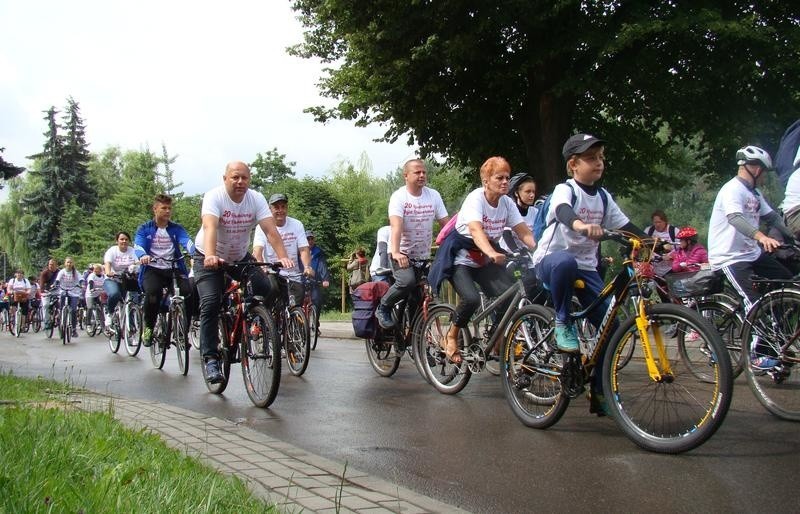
[[54, 458]]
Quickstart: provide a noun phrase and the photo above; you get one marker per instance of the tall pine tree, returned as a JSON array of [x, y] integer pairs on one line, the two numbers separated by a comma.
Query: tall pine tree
[[75, 159]]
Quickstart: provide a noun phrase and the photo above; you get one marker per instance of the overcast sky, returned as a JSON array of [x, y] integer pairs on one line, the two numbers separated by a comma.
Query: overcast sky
[[210, 80]]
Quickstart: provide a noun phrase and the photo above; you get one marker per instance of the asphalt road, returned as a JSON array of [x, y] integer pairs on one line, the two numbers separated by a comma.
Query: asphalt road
[[467, 450]]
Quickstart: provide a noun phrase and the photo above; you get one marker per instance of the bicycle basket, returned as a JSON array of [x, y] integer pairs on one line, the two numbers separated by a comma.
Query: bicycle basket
[[696, 283]]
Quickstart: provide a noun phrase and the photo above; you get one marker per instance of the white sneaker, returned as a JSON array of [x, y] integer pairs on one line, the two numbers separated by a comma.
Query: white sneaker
[[107, 321]]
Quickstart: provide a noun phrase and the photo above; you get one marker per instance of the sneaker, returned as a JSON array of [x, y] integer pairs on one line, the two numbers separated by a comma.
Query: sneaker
[[47, 325], [399, 348], [764, 362], [692, 336], [213, 374], [567, 338], [384, 316], [598, 404], [147, 338], [107, 321], [74, 332]]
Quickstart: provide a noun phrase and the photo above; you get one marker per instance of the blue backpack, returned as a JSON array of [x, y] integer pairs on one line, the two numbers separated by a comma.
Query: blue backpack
[[787, 150], [543, 204]]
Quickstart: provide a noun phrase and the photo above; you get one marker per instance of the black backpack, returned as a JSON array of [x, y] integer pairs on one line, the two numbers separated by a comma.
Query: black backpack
[[787, 150], [672, 232]]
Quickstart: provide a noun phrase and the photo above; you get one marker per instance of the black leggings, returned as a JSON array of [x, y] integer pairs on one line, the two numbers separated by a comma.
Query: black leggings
[[494, 281]]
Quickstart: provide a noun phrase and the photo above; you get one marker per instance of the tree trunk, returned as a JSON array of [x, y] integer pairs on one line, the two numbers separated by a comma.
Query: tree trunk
[[544, 130]]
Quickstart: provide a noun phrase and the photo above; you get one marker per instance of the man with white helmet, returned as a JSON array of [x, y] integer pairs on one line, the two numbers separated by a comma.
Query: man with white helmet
[[733, 233]]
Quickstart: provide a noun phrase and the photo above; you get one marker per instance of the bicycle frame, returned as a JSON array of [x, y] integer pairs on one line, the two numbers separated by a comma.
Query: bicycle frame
[[617, 291]]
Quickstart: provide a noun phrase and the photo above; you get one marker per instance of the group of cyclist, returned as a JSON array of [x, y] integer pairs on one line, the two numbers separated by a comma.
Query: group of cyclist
[[578, 213]]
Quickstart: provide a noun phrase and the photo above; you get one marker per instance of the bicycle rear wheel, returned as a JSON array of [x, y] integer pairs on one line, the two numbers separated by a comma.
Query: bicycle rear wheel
[[531, 366], [728, 323], [223, 347], [772, 353], [132, 332], [446, 377], [298, 347], [382, 356], [313, 326], [261, 357], [115, 335], [160, 342], [180, 337], [680, 410]]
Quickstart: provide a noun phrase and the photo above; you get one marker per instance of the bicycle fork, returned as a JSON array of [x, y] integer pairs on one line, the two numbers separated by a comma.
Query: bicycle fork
[[642, 325]]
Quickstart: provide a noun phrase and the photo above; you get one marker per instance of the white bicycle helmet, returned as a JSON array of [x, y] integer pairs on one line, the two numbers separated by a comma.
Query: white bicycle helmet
[[753, 154]]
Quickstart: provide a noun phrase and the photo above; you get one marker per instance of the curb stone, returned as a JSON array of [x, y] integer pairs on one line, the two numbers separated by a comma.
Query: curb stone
[[278, 472]]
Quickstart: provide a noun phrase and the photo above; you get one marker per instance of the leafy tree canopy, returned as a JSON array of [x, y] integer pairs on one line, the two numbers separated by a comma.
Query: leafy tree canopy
[[270, 168], [468, 80]]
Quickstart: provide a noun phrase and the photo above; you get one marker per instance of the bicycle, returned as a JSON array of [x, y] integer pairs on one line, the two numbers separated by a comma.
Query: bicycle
[[293, 328], [95, 315], [771, 348], [387, 348], [248, 335], [476, 343], [171, 326], [35, 315], [18, 321], [657, 404], [126, 320], [310, 310], [53, 312], [66, 325]]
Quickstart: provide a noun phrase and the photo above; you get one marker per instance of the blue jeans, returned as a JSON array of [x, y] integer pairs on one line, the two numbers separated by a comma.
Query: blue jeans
[[115, 289], [210, 285], [558, 272]]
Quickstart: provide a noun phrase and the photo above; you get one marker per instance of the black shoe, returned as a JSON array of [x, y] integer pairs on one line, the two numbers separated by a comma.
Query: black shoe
[[213, 374], [384, 316], [74, 333]]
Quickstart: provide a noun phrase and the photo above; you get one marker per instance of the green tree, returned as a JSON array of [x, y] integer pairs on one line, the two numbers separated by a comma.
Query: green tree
[[46, 199], [269, 169], [468, 80], [75, 160]]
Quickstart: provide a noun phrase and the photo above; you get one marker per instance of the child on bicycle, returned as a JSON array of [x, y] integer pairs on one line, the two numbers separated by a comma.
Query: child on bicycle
[[568, 247]]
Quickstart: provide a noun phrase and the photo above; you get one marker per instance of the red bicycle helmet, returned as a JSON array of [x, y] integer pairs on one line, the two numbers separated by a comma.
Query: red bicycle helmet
[[686, 233]]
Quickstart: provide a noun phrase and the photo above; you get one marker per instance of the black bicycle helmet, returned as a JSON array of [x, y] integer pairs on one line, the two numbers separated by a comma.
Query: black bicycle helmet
[[515, 182]]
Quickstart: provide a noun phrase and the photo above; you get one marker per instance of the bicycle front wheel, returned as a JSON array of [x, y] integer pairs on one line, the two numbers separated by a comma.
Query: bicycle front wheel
[[298, 347], [18, 319], [36, 320], [772, 353], [160, 341], [313, 326], [531, 366], [261, 357], [55, 321], [115, 334], [180, 336], [64, 328], [446, 377], [132, 330], [678, 410]]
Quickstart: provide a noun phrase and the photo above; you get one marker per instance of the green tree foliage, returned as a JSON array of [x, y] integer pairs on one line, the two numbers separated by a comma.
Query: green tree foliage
[[75, 159], [516, 78], [7, 169], [269, 169]]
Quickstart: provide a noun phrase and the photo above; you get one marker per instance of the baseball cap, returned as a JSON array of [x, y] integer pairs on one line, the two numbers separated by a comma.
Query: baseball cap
[[278, 197], [310, 233], [579, 143]]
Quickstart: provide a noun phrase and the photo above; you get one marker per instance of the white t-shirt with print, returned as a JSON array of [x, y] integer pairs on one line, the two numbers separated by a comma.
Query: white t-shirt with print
[[418, 213], [726, 245], [19, 286], [589, 209], [96, 281], [293, 235], [236, 222], [70, 282], [120, 260], [384, 233], [493, 220], [162, 247]]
